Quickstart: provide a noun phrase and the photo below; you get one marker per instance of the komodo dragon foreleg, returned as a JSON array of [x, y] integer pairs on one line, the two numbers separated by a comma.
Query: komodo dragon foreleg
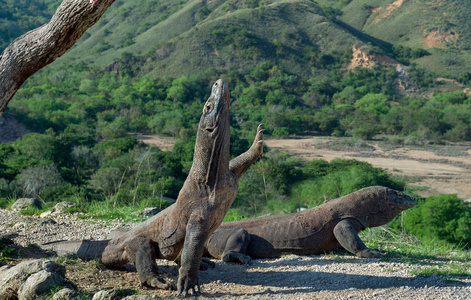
[[241, 163], [141, 252], [346, 233], [196, 234]]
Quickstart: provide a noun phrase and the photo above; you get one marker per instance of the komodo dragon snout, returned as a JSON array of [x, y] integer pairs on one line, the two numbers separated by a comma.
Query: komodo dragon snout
[[215, 106]]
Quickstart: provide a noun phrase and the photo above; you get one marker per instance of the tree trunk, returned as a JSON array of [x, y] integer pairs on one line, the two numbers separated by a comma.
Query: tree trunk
[[41, 46]]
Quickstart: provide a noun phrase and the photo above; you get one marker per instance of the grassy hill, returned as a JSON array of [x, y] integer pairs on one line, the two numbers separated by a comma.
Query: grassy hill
[[18, 17], [187, 37], [191, 36], [440, 27]]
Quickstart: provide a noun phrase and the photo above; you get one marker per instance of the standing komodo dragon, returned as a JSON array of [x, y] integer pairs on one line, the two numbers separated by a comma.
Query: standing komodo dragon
[[183, 228], [314, 231]]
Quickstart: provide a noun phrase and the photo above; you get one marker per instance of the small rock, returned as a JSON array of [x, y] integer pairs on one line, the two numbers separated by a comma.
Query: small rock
[[11, 279], [66, 294], [46, 214], [39, 284], [4, 268], [25, 203], [138, 297], [101, 295], [62, 207], [150, 211], [113, 294]]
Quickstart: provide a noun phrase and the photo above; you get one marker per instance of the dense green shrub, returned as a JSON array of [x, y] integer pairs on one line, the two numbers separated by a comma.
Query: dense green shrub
[[280, 184], [443, 217]]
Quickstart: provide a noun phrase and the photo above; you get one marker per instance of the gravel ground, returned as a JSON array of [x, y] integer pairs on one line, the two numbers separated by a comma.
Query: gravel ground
[[290, 277]]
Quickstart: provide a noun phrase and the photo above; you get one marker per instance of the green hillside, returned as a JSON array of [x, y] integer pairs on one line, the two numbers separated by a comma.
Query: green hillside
[[18, 17], [440, 27], [192, 36], [187, 37]]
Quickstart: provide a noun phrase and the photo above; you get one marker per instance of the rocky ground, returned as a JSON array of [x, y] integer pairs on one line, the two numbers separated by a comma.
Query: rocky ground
[[333, 276]]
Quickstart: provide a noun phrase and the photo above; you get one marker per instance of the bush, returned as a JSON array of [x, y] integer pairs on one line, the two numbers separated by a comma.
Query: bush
[[281, 132], [325, 181], [443, 217]]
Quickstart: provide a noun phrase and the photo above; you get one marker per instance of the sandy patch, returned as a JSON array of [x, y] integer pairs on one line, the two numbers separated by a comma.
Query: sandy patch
[[441, 174], [388, 11], [435, 39], [163, 143]]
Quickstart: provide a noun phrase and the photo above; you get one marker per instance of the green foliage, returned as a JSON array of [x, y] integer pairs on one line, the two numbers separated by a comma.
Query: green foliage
[[280, 184], [375, 103], [7, 249], [444, 217], [128, 213], [17, 17], [60, 167], [436, 257], [407, 54], [325, 181]]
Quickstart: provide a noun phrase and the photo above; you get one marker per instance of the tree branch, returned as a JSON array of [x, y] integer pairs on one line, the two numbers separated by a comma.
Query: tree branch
[[41, 46]]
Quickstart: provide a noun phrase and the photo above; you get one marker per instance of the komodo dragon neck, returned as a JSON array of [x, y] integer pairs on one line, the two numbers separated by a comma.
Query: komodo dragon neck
[[211, 155]]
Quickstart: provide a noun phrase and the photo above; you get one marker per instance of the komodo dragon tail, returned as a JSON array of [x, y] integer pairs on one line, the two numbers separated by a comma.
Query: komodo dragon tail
[[85, 248]]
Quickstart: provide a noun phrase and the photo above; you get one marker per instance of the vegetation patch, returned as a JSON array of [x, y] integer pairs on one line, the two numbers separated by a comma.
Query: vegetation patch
[[7, 249]]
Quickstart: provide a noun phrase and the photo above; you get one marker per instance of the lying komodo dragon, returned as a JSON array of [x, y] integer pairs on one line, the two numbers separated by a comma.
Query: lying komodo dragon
[[314, 231], [182, 229]]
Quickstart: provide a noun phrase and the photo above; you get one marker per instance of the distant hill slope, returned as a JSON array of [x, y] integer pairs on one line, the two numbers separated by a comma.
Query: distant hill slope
[[440, 27], [190, 36], [11, 129], [20, 16], [196, 35]]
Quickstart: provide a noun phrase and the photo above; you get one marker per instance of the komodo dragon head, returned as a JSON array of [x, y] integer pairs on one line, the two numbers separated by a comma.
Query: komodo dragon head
[[211, 158], [389, 204]]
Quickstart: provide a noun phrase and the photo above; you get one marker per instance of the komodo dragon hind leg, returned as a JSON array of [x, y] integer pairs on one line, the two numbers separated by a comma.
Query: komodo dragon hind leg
[[346, 234], [141, 251]]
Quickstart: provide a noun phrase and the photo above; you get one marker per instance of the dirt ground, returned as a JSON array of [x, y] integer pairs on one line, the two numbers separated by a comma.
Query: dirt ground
[[164, 143], [439, 174], [290, 277]]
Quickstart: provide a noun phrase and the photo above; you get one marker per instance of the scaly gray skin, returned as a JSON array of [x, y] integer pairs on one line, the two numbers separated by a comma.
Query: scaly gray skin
[[314, 231], [182, 229]]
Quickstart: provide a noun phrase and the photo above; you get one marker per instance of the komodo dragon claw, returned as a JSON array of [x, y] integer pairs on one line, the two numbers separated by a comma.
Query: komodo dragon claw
[[237, 258], [206, 264], [159, 283], [184, 290]]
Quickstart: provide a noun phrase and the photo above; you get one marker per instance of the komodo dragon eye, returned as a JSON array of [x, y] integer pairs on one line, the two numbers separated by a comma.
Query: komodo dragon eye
[[208, 107], [399, 194]]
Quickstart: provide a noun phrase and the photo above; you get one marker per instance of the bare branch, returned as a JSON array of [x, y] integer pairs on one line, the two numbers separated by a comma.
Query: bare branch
[[41, 46]]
